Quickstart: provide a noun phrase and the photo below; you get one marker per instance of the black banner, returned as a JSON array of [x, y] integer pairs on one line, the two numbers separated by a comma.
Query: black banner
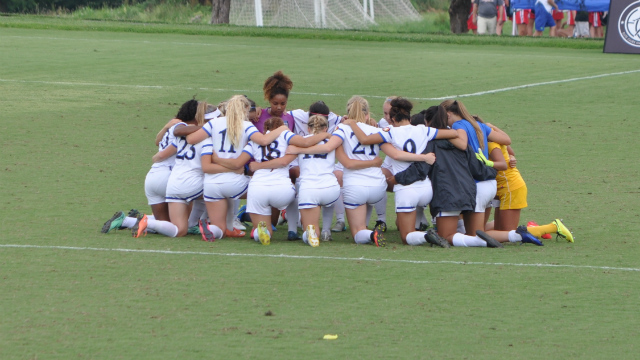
[[623, 31]]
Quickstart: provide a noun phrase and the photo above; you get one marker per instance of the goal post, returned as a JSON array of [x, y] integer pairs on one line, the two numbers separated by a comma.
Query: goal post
[[329, 14]]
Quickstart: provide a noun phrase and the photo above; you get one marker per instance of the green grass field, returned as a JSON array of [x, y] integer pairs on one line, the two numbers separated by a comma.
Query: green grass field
[[80, 110]]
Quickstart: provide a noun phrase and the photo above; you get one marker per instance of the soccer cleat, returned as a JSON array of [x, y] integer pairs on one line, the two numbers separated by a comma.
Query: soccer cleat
[[325, 235], [282, 218], [207, 235], [491, 242], [241, 212], [133, 213], [292, 235], [263, 233], [433, 238], [339, 226], [532, 224], [378, 237], [527, 237], [312, 237], [194, 230], [237, 224], [423, 227], [381, 225], [140, 228], [273, 228], [235, 233], [563, 231], [114, 223]]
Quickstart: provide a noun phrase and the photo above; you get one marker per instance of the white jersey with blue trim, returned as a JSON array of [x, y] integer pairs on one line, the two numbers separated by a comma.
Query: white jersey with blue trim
[[407, 138], [277, 149], [224, 148], [316, 171], [301, 118], [371, 176], [188, 162], [168, 139]]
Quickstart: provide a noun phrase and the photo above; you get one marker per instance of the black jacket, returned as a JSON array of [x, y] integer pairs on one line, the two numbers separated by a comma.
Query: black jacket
[[452, 176]]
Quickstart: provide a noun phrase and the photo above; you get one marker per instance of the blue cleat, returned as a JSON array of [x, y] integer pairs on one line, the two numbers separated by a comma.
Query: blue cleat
[[527, 237]]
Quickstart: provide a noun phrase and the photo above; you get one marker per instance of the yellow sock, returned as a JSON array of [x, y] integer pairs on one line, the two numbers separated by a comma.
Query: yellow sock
[[538, 231]]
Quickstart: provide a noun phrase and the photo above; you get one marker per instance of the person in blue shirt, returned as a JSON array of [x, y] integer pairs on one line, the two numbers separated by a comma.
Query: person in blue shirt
[[477, 136]]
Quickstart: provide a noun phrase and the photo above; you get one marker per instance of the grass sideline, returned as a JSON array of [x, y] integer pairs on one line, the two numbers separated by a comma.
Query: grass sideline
[[53, 23], [80, 110]]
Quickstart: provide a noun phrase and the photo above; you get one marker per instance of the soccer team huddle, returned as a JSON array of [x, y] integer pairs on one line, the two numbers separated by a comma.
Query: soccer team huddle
[[300, 165]]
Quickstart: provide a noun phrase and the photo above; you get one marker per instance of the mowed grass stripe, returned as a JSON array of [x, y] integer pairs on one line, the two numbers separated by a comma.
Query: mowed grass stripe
[[312, 257], [480, 93]]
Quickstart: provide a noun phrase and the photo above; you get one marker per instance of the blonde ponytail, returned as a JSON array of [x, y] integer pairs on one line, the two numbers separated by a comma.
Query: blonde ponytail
[[358, 108], [202, 109], [317, 123], [237, 113]]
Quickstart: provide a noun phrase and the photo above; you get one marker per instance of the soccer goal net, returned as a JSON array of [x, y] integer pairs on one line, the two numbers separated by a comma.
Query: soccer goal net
[[330, 14]]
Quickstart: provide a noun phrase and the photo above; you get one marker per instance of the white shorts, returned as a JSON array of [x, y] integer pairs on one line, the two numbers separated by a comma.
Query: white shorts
[[184, 189], [338, 167], [155, 185], [311, 197], [408, 197], [354, 195], [485, 192], [495, 203], [260, 198], [487, 26], [448, 213], [230, 190]]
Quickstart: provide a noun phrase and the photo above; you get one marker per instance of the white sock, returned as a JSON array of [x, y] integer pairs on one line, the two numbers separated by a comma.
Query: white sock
[[254, 234], [461, 228], [363, 237], [369, 211], [468, 241], [327, 217], [305, 238], [236, 205], [419, 216], [514, 236], [381, 208], [217, 232], [231, 214], [129, 222], [162, 227], [293, 215], [339, 208], [197, 211], [416, 238]]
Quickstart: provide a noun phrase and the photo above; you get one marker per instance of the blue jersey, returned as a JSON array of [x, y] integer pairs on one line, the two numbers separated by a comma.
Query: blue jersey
[[472, 138]]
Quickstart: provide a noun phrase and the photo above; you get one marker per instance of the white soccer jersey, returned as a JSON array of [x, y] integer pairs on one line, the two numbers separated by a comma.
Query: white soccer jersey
[[383, 123], [407, 138], [371, 176], [301, 118], [217, 130], [188, 166], [168, 139], [316, 171], [276, 149]]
